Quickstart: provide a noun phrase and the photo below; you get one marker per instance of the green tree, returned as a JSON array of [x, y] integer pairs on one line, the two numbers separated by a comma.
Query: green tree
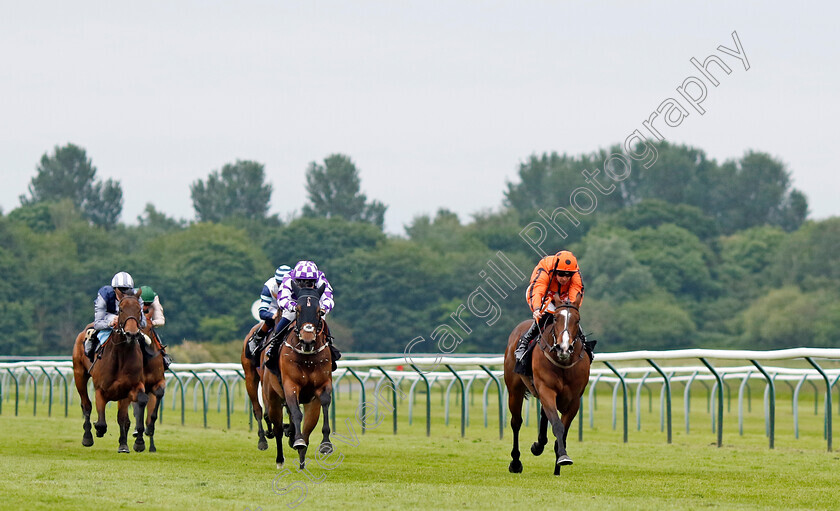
[[334, 191], [69, 174], [238, 190], [611, 270]]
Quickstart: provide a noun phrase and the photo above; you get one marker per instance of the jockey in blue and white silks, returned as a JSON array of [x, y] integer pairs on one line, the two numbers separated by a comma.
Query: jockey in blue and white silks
[[106, 309], [267, 310]]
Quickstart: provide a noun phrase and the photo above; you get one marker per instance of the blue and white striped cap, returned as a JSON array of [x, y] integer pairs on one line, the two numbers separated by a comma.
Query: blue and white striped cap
[[122, 279], [281, 272]]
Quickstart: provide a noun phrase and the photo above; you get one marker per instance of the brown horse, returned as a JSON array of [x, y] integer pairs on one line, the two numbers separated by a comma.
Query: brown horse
[[154, 379], [303, 377], [117, 373], [253, 374], [560, 374]]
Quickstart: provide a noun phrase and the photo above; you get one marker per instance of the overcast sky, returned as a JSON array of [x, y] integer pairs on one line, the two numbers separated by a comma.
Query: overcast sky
[[436, 102]]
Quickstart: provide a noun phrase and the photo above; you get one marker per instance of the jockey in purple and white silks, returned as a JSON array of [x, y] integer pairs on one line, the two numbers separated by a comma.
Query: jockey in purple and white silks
[[306, 275]]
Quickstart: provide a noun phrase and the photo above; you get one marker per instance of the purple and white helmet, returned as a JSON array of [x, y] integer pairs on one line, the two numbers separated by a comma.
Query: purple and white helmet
[[305, 270]]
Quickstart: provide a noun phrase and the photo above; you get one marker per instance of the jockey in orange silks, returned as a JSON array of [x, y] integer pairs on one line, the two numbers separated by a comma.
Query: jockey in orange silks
[[557, 276]]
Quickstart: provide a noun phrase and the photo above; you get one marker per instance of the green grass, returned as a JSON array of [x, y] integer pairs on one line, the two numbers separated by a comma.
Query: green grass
[[44, 465]]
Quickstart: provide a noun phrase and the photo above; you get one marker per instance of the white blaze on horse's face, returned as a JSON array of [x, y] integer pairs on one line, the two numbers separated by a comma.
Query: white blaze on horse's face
[[564, 338]]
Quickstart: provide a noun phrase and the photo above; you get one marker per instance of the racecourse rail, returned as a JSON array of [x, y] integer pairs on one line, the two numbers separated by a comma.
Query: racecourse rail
[[466, 373]]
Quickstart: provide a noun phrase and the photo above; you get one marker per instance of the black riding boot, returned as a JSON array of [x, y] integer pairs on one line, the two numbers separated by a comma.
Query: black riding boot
[[523, 362], [335, 355], [254, 344], [90, 347], [275, 344]]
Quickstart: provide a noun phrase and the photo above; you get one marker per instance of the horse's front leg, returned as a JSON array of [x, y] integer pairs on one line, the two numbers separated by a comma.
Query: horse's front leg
[[155, 400], [326, 446], [515, 406], [101, 425], [542, 437], [139, 417], [124, 424], [295, 415], [548, 398], [81, 378]]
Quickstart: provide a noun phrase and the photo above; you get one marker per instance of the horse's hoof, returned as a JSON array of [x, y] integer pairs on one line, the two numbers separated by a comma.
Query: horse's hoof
[[262, 444], [134, 433], [87, 440], [300, 443], [325, 448], [269, 434], [288, 429], [537, 448], [564, 460], [152, 448], [139, 446], [279, 466], [515, 467], [100, 430], [123, 449]]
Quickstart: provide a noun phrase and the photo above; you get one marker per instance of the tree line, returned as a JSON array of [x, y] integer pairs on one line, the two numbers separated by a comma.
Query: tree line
[[687, 253]]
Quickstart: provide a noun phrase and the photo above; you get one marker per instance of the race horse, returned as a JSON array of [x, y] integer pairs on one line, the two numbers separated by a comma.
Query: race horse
[[560, 373], [302, 376], [154, 379], [253, 374], [117, 372]]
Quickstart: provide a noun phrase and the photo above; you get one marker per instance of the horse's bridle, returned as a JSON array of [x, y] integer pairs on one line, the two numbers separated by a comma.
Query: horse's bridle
[[554, 345], [308, 328], [121, 328]]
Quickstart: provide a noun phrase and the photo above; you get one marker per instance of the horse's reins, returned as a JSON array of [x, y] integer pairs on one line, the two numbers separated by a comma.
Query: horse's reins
[[300, 338]]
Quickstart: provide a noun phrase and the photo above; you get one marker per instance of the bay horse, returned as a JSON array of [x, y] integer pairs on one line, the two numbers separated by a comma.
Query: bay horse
[[560, 374], [117, 372], [253, 375], [303, 376], [154, 378]]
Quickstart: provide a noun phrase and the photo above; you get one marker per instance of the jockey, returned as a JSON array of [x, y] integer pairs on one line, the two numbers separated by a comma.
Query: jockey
[[305, 275], [268, 309], [106, 310], [151, 304], [555, 275]]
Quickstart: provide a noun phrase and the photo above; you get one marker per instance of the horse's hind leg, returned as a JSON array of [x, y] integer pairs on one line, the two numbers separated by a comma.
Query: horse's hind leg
[[515, 406], [81, 378], [274, 410], [139, 416], [542, 437], [124, 423]]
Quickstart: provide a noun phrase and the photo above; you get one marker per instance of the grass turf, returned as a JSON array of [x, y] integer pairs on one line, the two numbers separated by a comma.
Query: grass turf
[[45, 466]]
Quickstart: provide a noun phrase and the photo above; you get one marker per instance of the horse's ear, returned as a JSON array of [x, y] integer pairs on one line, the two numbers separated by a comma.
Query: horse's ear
[[295, 287], [118, 293], [577, 301], [138, 292], [321, 289]]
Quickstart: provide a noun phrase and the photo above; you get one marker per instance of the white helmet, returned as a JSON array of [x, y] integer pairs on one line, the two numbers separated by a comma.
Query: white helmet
[[122, 279]]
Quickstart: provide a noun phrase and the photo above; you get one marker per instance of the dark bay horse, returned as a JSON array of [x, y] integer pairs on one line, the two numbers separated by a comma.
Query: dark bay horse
[[253, 375], [304, 377], [117, 373], [154, 380], [560, 374]]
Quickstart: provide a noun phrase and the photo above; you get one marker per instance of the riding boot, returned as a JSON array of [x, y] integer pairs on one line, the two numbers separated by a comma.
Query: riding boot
[[335, 355], [254, 344], [523, 361], [525, 340], [90, 347]]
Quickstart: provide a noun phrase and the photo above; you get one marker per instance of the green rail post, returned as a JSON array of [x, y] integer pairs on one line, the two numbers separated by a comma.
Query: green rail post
[[66, 395], [181, 384], [17, 389], [334, 397], [49, 378], [227, 396], [719, 401], [394, 388], [428, 400], [827, 400], [623, 392], [362, 402], [499, 389], [667, 394], [463, 399], [249, 407], [34, 391], [772, 401], [203, 396]]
